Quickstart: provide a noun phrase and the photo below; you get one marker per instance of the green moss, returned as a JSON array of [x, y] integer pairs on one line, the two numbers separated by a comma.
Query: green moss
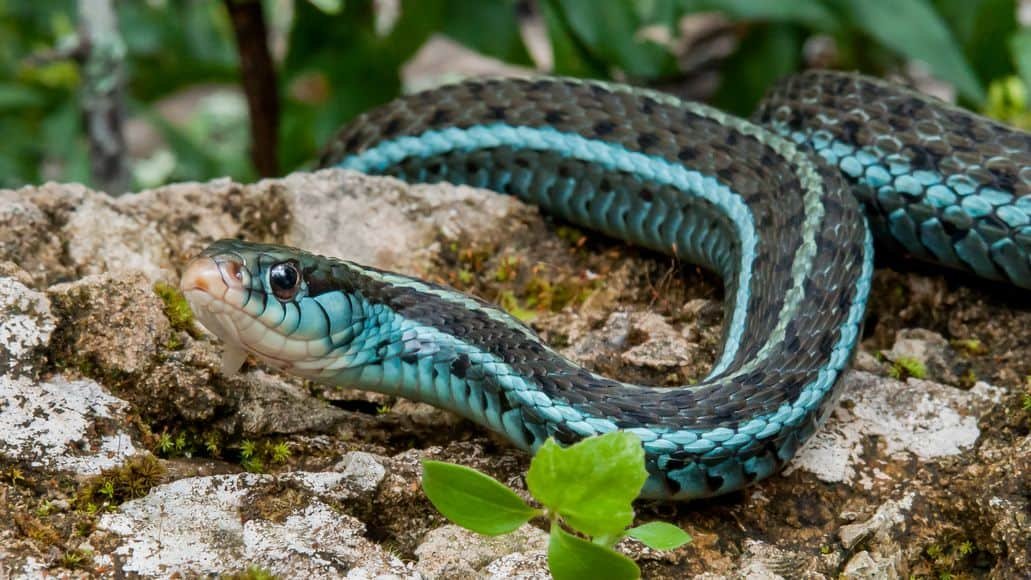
[[37, 530], [945, 556], [249, 459], [113, 486], [970, 346], [507, 269], [279, 452], [177, 309], [511, 304], [77, 559], [571, 235], [15, 476], [212, 443], [253, 572], [906, 367]]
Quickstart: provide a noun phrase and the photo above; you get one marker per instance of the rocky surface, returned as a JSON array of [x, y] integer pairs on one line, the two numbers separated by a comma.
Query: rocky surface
[[124, 450]]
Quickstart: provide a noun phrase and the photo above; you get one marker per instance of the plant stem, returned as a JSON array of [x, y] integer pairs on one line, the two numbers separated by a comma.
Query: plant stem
[[259, 82]]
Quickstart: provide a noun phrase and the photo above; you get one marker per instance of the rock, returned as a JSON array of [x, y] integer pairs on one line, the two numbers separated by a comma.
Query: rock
[[644, 340], [931, 351], [760, 560], [423, 415], [23, 216], [113, 322], [921, 418], [62, 426], [864, 566], [347, 498], [400, 230], [105, 238], [213, 525], [868, 363], [518, 566], [25, 325], [662, 347], [438, 557], [361, 473], [270, 405], [878, 530]]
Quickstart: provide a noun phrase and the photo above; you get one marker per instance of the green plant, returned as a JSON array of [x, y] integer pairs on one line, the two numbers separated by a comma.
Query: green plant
[[107, 489], [279, 452], [253, 572], [328, 46], [176, 308], [211, 443], [586, 489], [77, 559], [905, 367], [46, 507], [115, 485], [249, 459]]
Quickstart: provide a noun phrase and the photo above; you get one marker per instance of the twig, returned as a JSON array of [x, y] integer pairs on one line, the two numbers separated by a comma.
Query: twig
[[259, 82]]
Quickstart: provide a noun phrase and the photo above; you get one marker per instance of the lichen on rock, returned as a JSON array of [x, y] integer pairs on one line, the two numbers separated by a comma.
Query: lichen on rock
[[97, 366]]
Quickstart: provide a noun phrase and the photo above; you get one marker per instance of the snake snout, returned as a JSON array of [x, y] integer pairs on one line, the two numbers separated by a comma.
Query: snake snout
[[212, 277]]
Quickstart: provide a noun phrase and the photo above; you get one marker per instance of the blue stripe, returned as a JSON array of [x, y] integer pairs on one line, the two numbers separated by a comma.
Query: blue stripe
[[612, 157]]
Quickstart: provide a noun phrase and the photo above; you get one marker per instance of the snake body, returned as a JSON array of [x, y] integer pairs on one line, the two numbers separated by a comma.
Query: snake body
[[783, 227]]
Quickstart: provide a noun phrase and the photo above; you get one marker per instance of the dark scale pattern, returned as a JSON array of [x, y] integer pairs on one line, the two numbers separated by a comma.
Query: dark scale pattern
[[946, 185], [722, 404], [746, 165], [662, 128], [969, 206]]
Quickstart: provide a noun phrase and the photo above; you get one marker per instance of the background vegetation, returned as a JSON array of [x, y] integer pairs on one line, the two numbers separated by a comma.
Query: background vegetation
[[335, 58]]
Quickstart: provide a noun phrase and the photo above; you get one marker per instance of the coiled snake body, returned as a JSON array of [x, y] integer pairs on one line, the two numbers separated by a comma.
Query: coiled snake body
[[782, 226]]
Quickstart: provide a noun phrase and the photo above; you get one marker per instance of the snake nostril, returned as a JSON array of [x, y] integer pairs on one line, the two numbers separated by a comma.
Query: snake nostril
[[233, 270]]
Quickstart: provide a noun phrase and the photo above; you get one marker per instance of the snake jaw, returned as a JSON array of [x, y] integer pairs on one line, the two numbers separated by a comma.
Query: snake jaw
[[232, 359], [210, 287]]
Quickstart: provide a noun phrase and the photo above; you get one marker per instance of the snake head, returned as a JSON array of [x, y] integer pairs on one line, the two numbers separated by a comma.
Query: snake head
[[258, 299]]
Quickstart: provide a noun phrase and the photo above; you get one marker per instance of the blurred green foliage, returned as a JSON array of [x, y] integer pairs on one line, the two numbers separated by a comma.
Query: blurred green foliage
[[337, 58]]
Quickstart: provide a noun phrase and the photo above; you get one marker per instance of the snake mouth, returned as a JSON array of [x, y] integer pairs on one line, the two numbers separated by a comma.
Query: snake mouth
[[215, 288]]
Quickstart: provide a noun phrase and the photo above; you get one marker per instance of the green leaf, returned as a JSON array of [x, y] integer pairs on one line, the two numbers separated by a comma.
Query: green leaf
[[983, 27], [592, 483], [328, 6], [767, 54], [473, 500], [916, 31], [569, 57], [1020, 46], [13, 96], [609, 31], [490, 27], [810, 13], [659, 535], [571, 558]]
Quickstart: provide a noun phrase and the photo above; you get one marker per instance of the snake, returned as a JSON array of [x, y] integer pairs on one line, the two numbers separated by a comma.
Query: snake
[[784, 207]]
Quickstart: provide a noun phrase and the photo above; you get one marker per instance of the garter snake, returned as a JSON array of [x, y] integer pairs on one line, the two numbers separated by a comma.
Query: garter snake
[[774, 205]]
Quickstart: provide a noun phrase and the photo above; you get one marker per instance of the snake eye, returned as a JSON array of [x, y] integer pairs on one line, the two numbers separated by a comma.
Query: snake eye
[[283, 278]]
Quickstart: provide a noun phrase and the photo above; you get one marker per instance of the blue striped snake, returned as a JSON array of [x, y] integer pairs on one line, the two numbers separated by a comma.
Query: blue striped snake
[[750, 200]]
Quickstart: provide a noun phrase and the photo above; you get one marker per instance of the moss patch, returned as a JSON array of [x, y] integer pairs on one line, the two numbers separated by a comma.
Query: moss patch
[[119, 484], [176, 308]]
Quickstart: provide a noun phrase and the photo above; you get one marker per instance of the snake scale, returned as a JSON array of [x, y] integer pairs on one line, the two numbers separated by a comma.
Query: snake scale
[[783, 227]]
